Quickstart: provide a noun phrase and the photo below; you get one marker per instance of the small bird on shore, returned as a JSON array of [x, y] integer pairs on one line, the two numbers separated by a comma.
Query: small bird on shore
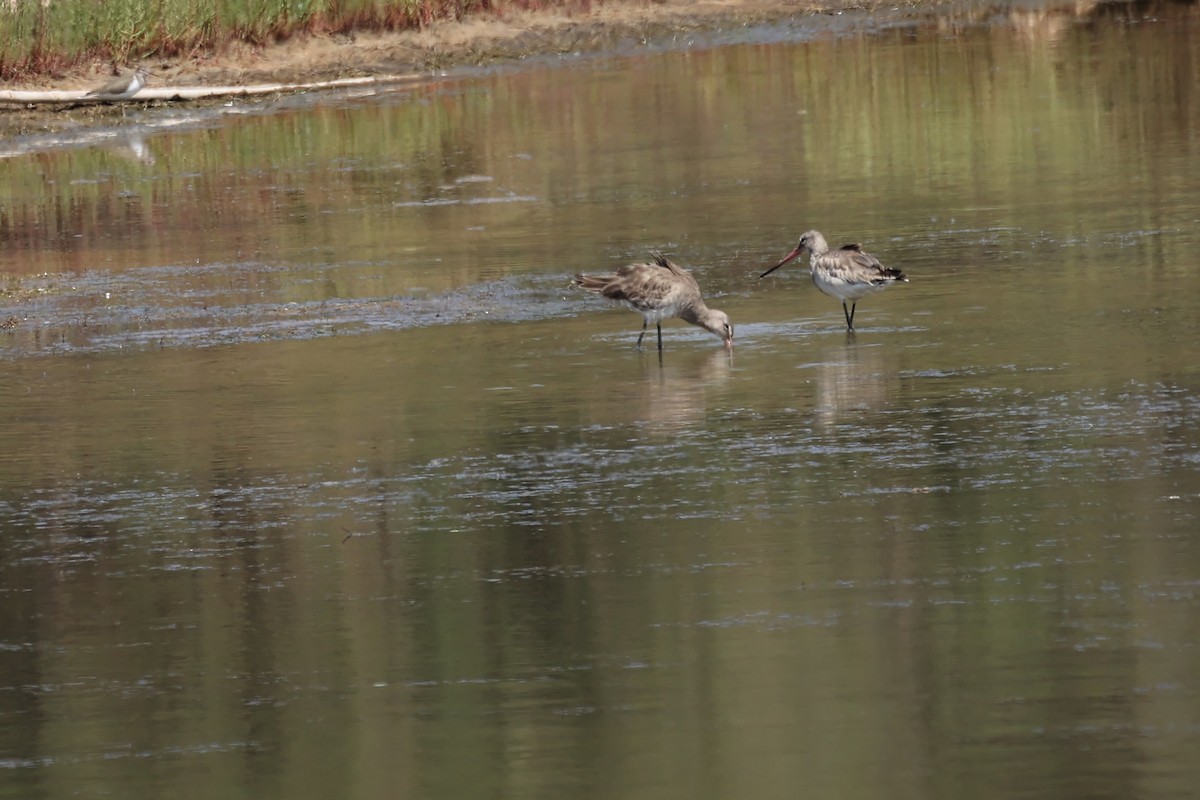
[[847, 273], [122, 87], [658, 290]]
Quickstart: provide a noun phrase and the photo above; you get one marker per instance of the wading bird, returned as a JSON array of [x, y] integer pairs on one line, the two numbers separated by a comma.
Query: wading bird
[[121, 88], [847, 273], [658, 290]]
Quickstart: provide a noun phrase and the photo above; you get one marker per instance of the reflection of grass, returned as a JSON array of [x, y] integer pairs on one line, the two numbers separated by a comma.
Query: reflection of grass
[[12, 290], [36, 36], [16, 290]]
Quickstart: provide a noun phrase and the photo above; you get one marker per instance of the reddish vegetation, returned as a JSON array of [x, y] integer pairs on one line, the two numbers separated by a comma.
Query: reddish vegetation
[[213, 38]]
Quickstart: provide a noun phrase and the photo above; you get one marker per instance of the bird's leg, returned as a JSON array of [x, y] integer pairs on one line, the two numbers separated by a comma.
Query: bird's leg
[[849, 316], [659, 326], [643, 334]]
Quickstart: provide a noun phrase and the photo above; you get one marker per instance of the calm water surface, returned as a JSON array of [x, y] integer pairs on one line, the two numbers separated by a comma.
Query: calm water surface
[[319, 480]]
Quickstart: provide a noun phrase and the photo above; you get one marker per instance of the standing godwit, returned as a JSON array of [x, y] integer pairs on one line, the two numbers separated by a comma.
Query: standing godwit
[[121, 88], [658, 290], [847, 273]]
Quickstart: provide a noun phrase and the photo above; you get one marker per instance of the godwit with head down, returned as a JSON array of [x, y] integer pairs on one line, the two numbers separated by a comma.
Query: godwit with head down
[[847, 273], [658, 290]]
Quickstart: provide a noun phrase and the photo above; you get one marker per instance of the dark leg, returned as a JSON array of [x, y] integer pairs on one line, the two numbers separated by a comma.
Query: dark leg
[[849, 312], [639, 344], [659, 326]]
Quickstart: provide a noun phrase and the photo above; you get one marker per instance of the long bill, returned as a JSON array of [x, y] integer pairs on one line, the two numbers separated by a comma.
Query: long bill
[[786, 259]]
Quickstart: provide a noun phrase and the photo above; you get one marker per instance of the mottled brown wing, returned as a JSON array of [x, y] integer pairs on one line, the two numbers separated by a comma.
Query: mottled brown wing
[[839, 264], [651, 286], [851, 264], [687, 283]]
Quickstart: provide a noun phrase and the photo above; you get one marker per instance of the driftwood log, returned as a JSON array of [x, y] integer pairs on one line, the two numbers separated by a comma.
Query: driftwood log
[[196, 92]]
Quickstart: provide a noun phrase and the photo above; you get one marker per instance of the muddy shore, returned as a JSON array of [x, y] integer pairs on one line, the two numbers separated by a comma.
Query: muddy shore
[[480, 40]]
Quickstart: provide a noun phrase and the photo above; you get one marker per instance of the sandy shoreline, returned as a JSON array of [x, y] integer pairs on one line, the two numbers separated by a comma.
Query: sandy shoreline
[[473, 41]]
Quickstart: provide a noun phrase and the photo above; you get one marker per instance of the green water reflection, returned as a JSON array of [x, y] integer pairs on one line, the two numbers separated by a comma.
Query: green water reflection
[[319, 480]]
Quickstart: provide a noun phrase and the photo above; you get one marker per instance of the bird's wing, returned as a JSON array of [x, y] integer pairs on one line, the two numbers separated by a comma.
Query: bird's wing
[[682, 276], [649, 286], [851, 264]]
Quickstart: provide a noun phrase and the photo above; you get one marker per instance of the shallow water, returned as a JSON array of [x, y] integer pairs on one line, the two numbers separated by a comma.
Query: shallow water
[[320, 480]]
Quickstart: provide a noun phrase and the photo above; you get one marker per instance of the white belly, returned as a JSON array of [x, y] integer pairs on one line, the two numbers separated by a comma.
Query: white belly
[[842, 289], [655, 314]]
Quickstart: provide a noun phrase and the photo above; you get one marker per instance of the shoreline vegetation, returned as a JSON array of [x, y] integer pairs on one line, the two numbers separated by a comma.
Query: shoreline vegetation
[[38, 37], [72, 45], [42, 39], [53, 46]]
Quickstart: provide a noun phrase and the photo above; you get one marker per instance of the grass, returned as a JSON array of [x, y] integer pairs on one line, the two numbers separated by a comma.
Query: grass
[[45, 36]]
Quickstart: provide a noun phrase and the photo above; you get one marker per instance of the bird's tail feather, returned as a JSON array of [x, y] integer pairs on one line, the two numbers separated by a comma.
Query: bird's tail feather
[[594, 283]]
